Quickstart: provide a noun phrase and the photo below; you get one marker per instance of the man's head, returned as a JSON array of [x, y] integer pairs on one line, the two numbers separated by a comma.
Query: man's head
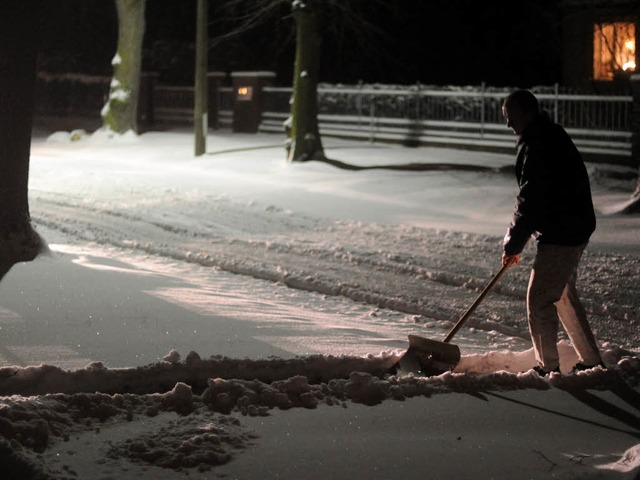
[[519, 108]]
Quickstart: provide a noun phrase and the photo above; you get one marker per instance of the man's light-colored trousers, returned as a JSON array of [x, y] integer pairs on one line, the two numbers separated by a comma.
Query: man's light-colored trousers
[[552, 296]]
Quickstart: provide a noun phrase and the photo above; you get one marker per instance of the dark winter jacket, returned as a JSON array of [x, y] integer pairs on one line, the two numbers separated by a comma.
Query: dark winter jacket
[[554, 203]]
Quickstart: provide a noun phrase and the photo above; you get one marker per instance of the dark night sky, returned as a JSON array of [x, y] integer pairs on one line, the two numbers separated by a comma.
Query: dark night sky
[[501, 42]]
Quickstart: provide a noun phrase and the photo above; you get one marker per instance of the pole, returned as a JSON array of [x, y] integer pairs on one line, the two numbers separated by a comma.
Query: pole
[[200, 90], [556, 102], [483, 87]]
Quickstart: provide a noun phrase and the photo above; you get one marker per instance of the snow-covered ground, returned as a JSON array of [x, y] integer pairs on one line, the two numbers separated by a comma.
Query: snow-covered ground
[[233, 316]]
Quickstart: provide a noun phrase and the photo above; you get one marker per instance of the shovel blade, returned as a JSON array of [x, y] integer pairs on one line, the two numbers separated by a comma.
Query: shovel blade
[[426, 357]]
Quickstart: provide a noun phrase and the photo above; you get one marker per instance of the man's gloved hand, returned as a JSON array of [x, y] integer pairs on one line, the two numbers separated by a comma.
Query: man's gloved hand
[[510, 260]]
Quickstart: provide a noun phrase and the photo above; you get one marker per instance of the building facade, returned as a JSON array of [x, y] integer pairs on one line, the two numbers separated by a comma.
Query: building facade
[[599, 39]]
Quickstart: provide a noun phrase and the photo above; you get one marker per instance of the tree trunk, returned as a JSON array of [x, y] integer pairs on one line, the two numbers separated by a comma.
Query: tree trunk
[[19, 242], [120, 112], [304, 136]]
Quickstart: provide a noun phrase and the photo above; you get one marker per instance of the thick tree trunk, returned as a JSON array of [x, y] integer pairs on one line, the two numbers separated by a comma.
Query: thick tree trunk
[[18, 53], [120, 112], [304, 136]]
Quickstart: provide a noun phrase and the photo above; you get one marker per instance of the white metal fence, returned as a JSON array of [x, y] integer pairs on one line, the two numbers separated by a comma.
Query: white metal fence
[[466, 117]]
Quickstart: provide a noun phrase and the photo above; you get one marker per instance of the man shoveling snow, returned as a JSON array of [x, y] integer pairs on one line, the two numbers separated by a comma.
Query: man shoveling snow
[[554, 205]]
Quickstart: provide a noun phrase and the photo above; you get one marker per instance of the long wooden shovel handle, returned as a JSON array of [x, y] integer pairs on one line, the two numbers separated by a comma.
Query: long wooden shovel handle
[[473, 306]]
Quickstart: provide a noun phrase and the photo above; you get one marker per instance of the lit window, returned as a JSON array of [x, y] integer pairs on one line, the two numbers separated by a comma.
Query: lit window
[[614, 49]]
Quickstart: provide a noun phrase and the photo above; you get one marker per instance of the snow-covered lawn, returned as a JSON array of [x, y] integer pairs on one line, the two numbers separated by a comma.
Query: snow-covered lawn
[[236, 316]]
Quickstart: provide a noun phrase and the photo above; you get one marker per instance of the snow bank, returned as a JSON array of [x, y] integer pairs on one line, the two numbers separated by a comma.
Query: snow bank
[[250, 387]]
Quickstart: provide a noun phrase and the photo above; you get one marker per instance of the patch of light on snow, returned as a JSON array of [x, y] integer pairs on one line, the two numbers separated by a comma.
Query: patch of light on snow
[[629, 462], [61, 355], [511, 361]]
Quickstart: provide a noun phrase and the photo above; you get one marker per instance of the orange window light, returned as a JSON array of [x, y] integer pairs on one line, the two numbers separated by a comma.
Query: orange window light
[[614, 49]]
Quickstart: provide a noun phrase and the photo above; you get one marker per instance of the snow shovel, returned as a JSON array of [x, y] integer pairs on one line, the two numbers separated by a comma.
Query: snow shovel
[[429, 357]]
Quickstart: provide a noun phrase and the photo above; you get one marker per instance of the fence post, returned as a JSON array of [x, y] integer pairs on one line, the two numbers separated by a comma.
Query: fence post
[[247, 109], [146, 100], [556, 102], [482, 88], [414, 126], [635, 120], [359, 98], [372, 120], [214, 83]]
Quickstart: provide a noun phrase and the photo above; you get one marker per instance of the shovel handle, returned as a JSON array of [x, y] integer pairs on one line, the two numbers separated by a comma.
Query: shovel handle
[[473, 306]]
